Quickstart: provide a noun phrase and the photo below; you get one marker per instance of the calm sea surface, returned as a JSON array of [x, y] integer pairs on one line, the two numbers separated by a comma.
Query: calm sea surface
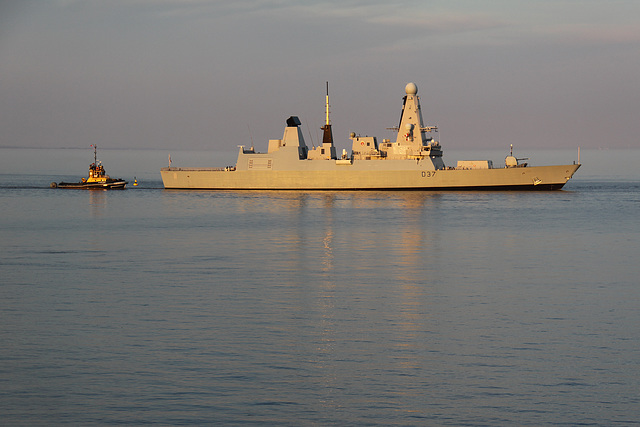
[[315, 308]]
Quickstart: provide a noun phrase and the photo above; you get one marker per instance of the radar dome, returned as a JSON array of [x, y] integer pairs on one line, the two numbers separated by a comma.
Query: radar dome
[[411, 89]]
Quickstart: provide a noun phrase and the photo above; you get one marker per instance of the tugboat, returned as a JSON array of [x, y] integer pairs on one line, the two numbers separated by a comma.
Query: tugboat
[[97, 180]]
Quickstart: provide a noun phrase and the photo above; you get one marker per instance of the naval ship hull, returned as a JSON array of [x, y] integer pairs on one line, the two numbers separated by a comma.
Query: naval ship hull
[[353, 178], [412, 162]]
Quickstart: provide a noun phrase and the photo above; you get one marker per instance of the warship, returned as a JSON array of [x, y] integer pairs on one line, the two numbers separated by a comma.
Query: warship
[[97, 179], [412, 162]]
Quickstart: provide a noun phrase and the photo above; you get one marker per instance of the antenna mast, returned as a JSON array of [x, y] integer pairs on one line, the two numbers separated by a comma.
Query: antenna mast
[[327, 136], [327, 122]]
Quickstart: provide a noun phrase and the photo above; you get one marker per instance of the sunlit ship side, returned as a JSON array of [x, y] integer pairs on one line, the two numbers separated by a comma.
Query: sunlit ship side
[[413, 162]]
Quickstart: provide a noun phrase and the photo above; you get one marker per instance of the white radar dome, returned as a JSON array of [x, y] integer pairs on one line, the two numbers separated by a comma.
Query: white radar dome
[[411, 89]]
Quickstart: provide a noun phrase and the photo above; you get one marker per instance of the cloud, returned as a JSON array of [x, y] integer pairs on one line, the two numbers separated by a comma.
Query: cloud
[[596, 35]]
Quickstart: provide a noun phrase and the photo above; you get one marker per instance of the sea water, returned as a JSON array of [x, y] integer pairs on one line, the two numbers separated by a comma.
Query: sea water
[[316, 308]]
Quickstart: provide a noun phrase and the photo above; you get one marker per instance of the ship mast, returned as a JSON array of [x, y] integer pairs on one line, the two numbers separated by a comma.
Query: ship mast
[[327, 105], [327, 136]]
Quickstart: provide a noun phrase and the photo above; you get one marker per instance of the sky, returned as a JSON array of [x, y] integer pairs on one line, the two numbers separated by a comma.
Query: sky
[[212, 75]]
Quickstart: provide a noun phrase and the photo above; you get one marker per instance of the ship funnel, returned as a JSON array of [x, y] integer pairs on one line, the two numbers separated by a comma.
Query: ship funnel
[[293, 122]]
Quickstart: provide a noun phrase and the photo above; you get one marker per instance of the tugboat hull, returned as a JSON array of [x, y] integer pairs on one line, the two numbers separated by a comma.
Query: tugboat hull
[[115, 185]]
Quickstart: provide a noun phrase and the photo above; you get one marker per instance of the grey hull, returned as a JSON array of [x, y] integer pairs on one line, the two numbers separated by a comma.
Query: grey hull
[[524, 178]]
